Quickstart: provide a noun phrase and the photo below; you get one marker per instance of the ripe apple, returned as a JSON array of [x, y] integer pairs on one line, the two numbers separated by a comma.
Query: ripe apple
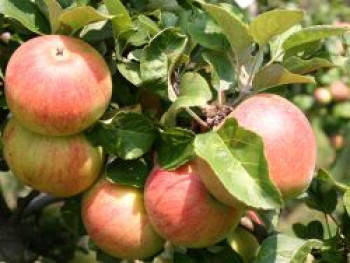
[[61, 166], [339, 91], [323, 95], [57, 85], [116, 220], [244, 243], [183, 211], [289, 145]]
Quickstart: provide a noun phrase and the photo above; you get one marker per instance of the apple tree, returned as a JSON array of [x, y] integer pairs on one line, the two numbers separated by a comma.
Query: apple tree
[[156, 130]]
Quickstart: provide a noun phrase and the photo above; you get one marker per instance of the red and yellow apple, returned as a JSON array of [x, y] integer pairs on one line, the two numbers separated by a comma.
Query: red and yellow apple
[[183, 211], [289, 145], [57, 85], [61, 166], [116, 220]]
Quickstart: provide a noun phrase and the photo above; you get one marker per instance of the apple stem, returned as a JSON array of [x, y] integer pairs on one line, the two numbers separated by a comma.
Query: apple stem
[[196, 117], [59, 52]]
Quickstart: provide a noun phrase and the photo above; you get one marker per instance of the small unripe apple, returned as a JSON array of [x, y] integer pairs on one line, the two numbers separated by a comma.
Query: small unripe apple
[[116, 220], [5, 37], [289, 145], [339, 91], [244, 243], [323, 95], [183, 211], [57, 85], [61, 166], [337, 141]]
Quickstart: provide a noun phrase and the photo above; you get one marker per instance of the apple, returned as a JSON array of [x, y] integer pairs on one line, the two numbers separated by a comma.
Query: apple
[[183, 211], [5, 37], [61, 166], [289, 145], [323, 95], [57, 85], [244, 243], [337, 141], [116, 220], [339, 91]]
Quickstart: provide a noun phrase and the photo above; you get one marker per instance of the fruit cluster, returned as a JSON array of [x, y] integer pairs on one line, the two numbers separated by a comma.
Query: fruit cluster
[[57, 86]]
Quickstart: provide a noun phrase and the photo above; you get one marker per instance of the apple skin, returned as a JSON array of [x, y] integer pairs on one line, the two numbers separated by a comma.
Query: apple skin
[[183, 211], [244, 243], [61, 166], [57, 85], [289, 145], [116, 220]]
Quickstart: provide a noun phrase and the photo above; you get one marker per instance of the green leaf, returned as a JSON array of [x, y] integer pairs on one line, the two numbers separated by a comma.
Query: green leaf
[[53, 10], [193, 91], [122, 20], [233, 27], [346, 201], [158, 61], [305, 51], [164, 5], [313, 230], [27, 13], [342, 110], [322, 195], [299, 66], [312, 34], [175, 148], [236, 155], [127, 135], [275, 75], [130, 71], [204, 30], [75, 18], [97, 31], [223, 68], [284, 249], [270, 24], [276, 43], [70, 213], [148, 24], [128, 172]]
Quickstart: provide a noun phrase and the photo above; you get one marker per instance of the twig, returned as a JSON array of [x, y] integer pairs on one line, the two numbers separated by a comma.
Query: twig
[[328, 226], [40, 202], [196, 117]]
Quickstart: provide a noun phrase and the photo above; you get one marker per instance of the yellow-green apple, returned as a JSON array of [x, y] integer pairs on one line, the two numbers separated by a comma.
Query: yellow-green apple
[[61, 166], [244, 243], [183, 211], [116, 220], [57, 85], [289, 145], [323, 95], [339, 91]]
